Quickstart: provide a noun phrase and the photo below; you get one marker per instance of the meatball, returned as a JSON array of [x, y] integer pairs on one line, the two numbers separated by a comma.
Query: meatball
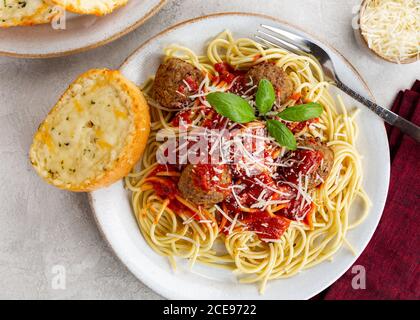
[[175, 80], [281, 82], [313, 160], [326, 164], [205, 184]]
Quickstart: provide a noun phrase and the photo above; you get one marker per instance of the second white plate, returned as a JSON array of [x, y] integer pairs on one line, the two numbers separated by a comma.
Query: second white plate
[[81, 33]]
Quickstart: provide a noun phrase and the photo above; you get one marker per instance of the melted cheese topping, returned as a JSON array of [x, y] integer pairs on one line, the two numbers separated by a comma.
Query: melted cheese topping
[[18, 12], [392, 28], [84, 135], [98, 7]]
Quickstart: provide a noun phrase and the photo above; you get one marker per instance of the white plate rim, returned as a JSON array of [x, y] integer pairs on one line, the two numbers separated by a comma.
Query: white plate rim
[[154, 10], [162, 291]]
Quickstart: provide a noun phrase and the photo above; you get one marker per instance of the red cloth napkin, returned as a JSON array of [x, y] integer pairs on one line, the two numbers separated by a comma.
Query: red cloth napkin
[[392, 258]]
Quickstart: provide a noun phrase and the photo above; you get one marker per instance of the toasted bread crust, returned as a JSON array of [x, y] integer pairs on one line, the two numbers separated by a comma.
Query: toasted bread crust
[[101, 8], [135, 140]]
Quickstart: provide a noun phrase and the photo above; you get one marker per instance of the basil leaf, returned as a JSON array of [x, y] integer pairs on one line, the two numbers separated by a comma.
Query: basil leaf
[[282, 134], [265, 96], [302, 112], [231, 106]]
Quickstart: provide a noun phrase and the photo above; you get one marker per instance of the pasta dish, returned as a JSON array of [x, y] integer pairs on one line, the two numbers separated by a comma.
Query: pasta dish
[[251, 163]]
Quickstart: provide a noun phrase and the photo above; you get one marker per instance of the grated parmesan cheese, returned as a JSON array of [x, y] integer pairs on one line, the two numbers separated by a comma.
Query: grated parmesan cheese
[[391, 28]]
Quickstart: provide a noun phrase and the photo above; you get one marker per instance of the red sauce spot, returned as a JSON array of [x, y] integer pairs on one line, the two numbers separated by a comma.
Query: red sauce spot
[[223, 68], [166, 188], [304, 162], [267, 226], [295, 96], [226, 72], [295, 211], [255, 185], [208, 176], [192, 83], [229, 78], [240, 85], [297, 127], [184, 116], [256, 57], [179, 208], [213, 120], [181, 89]]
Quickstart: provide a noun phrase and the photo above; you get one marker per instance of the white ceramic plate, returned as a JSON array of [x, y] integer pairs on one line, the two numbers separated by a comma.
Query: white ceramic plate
[[111, 206], [82, 32]]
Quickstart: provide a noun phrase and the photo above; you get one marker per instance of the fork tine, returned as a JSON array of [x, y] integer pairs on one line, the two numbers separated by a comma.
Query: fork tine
[[277, 42], [290, 37], [266, 43]]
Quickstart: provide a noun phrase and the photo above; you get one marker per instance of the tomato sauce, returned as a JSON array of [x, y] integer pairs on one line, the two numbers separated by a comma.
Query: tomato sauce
[[296, 211], [213, 120], [305, 162], [209, 177], [231, 76], [183, 117], [226, 72], [297, 127], [268, 227], [190, 83], [243, 191], [166, 188]]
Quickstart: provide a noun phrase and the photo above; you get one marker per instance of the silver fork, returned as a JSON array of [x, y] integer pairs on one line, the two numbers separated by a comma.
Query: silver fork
[[277, 37]]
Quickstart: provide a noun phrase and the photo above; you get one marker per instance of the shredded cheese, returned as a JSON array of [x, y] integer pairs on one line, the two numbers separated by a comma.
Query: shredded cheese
[[391, 28]]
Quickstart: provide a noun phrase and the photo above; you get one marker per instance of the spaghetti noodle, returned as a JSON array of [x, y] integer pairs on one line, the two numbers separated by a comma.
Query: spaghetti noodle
[[175, 227]]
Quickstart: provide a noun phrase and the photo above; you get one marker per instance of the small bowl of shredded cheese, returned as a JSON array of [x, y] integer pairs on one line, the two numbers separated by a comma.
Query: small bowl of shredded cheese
[[391, 29]]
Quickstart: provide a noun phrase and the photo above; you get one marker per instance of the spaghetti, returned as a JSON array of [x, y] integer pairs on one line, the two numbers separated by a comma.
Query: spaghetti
[[176, 227]]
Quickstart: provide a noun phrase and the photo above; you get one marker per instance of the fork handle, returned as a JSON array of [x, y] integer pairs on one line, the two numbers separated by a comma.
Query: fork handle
[[388, 116]]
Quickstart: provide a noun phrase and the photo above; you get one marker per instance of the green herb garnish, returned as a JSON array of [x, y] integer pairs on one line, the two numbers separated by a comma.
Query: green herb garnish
[[282, 134], [302, 112], [231, 106], [239, 110], [265, 97]]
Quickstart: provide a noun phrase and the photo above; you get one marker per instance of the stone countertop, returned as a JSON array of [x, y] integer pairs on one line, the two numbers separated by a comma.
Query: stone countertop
[[43, 229]]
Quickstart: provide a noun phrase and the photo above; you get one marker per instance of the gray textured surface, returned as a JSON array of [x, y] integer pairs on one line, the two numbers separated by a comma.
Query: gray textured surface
[[41, 227]]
